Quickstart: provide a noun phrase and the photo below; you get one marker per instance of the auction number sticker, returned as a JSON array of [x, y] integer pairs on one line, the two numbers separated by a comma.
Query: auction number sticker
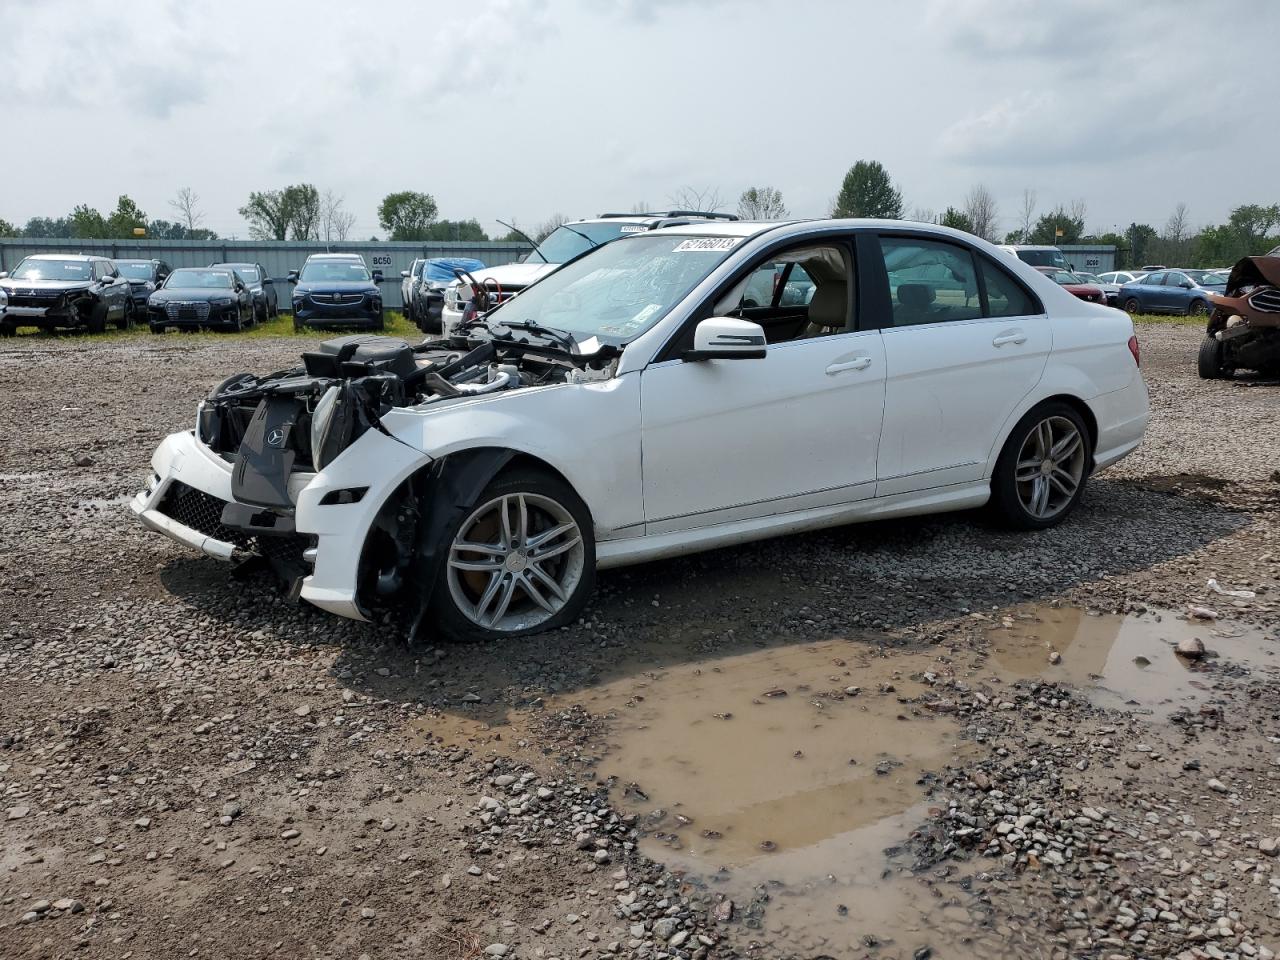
[[634, 229], [704, 244]]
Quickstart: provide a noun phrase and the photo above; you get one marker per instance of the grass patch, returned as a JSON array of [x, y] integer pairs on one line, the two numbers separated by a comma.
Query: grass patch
[[397, 325], [1177, 319]]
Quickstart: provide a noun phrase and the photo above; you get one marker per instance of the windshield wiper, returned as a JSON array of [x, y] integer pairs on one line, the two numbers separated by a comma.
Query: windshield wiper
[[593, 243], [515, 229], [562, 337]]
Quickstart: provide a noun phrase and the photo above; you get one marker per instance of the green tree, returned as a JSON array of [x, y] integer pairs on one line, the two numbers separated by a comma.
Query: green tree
[[867, 191], [957, 219], [7, 229], [167, 230], [1046, 229], [1141, 236], [125, 218], [302, 204], [407, 215], [43, 227], [761, 203], [87, 223], [268, 215], [468, 231]]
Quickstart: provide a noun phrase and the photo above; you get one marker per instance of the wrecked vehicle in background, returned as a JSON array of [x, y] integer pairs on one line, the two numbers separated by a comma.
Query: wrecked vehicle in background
[[58, 291], [649, 399], [1244, 327]]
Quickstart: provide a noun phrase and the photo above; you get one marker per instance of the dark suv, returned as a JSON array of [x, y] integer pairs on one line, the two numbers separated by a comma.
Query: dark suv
[[52, 290], [336, 290], [145, 277], [266, 302]]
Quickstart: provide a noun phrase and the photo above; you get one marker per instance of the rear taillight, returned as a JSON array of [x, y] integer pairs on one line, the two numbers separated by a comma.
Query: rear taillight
[[1133, 348]]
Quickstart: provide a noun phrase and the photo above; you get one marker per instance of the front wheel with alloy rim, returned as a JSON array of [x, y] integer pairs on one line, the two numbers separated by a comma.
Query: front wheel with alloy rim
[[520, 561], [1043, 468]]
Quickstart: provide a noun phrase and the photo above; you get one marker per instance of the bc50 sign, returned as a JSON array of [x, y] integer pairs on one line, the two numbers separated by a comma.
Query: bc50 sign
[[380, 260]]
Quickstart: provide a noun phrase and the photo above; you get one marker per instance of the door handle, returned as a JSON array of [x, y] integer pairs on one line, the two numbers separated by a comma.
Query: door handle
[[857, 363], [1015, 337]]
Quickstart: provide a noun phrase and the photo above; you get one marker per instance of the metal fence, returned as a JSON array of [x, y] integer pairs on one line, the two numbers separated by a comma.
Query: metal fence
[[1090, 257], [276, 257]]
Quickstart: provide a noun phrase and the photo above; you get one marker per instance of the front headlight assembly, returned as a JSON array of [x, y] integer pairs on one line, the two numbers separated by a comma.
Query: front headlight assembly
[[224, 301]]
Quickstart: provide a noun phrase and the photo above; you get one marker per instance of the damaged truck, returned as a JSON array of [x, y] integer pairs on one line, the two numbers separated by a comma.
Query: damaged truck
[[1244, 327]]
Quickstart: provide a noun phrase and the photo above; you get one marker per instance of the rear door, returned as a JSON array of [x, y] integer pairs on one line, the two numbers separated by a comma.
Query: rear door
[[1151, 293], [965, 341]]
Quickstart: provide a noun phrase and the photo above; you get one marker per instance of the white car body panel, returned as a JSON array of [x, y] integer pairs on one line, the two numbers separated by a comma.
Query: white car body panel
[[672, 456]]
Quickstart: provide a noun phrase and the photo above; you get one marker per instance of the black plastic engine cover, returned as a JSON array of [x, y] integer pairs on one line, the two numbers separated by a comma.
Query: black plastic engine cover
[[265, 459], [379, 354]]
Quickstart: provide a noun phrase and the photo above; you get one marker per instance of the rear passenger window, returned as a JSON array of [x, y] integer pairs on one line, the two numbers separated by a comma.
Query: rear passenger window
[[1005, 296], [929, 281]]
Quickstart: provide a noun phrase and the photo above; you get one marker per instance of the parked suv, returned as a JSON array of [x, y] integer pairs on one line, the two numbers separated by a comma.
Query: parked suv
[[53, 290], [145, 277], [436, 276], [1037, 256], [266, 302], [563, 244], [336, 290]]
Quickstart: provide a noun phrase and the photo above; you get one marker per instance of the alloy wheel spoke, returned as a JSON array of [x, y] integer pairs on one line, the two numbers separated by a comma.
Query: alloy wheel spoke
[[522, 524], [1063, 481], [488, 549], [534, 594], [486, 598], [1039, 496], [504, 601], [504, 509], [487, 565], [546, 580], [1044, 438], [1066, 447], [1027, 470]]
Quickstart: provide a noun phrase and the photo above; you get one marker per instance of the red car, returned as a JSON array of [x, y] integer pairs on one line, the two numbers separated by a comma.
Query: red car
[[1074, 284]]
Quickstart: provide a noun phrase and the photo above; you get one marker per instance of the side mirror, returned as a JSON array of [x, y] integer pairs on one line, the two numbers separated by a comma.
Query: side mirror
[[293, 276], [727, 338], [405, 274], [377, 276], [1186, 284], [4, 274]]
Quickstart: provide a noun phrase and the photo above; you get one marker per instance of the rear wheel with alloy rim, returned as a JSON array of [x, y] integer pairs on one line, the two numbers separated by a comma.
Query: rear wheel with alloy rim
[[1043, 468], [1132, 306], [1197, 308], [519, 562]]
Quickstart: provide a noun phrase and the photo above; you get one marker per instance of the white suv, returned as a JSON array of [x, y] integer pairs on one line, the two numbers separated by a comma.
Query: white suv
[[560, 246]]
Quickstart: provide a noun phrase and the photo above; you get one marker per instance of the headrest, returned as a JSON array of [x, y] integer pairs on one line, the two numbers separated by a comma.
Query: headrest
[[916, 296]]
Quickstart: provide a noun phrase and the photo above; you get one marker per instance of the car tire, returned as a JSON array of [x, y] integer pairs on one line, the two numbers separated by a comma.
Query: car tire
[[1132, 306], [8, 329], [297, 325], [126, 320], [1211, 360], [1197, 308], [97, 322], [487, 584], [1041, 474]]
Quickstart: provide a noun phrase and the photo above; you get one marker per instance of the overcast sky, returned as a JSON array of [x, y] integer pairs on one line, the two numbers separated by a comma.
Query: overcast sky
[[523, 108]]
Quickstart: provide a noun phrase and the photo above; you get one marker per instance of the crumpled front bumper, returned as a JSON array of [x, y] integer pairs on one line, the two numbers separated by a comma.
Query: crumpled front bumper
[[375, 464]]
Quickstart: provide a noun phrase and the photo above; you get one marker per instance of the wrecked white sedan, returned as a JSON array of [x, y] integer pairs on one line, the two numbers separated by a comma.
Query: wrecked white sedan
[[672, 391]]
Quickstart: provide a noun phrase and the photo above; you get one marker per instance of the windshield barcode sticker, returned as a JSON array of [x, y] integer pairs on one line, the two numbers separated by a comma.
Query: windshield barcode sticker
[[634, 229], [704, 244]]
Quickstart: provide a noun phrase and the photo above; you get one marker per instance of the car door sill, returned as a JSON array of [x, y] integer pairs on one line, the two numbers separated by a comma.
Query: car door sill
[[655, 546]]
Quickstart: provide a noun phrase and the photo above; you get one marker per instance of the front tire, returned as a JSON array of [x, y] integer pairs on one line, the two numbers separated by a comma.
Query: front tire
[[1211, 361], [1042, 470], [521, 561], [97, 322]]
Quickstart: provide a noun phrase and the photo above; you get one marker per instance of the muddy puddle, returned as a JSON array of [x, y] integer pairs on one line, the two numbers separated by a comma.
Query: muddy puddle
[[787, 778], [1129, 662]]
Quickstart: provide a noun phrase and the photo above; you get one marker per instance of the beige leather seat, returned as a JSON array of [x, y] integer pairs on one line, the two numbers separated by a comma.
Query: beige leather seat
[[829, 308]]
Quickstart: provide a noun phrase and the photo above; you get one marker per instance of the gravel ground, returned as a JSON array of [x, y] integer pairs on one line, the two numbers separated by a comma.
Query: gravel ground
[[191, 764]]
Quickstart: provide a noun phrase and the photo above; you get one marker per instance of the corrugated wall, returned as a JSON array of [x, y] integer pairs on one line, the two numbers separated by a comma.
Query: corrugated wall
[[1090, 257], [277, 257]]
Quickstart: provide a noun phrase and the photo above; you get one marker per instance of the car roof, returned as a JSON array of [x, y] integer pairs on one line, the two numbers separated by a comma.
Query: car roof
[[335, 256], [63, 256], [234, 263]]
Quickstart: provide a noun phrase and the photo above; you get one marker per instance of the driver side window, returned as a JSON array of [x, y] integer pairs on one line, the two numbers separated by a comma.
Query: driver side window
[[799, 293]]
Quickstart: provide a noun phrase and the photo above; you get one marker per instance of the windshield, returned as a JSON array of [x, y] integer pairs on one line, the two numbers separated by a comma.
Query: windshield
[[1063, 277], [1042, 258], [1207, 278], [248, 272], [334, 271], [136, 269], [563, 244], [31, 269], [216, 279], [620, 290]]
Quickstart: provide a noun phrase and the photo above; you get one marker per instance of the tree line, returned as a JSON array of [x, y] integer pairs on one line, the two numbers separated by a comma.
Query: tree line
[[301, 212]]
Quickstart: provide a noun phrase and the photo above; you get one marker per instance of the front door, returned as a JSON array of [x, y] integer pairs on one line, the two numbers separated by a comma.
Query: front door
[[726, 440], [964, 343]]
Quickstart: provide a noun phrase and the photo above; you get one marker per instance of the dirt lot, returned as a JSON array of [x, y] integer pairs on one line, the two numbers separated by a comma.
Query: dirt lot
[[845, 744]]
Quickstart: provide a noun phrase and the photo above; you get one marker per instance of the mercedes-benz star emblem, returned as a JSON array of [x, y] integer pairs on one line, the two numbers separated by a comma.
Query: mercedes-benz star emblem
[[275, 437]]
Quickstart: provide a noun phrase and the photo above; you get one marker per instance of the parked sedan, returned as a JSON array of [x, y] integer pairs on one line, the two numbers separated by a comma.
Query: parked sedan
[[1111, 282], [144, 277], [196, 297], [1172, 291], [1074, 284], [437, 274], [266, 301], [476, 483]]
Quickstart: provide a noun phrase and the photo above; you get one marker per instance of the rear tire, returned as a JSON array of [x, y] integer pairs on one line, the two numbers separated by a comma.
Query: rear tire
[[1043, 468], [1132, 306], [501, 583], [1211, 360], [1197, 308]]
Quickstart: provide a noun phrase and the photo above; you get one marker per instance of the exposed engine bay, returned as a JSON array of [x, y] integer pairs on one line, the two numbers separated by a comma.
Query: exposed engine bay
[[301, 419], [1244, 327]]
